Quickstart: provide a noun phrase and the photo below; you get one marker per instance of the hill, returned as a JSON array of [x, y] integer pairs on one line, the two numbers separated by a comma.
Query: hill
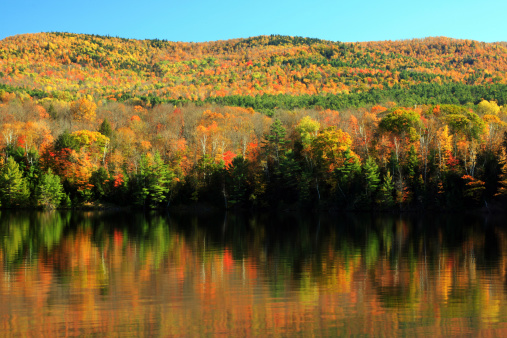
[[67, 66]]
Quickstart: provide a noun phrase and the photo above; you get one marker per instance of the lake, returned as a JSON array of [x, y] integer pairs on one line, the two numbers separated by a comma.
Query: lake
[[158, 274]]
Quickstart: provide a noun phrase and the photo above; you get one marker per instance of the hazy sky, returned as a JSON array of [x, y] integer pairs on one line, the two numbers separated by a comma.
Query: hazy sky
[[197, 20]]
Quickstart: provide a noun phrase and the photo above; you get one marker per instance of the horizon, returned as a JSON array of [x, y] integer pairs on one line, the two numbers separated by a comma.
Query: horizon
[[253, 36]]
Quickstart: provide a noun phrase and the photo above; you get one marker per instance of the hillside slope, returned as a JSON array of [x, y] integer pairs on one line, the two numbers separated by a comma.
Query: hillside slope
[[67, 66]]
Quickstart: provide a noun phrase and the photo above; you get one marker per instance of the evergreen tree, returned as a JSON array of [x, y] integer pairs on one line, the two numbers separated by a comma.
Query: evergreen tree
[[412, 163], [288, 175], [159, 180], [371, 177], [52, 111], [152, 182], [386, 199], [100, 181], [66, 201], [413, 174], [105, 129], [49, 191], [236, 181], [65, 140], [13, 186], [346, 178], [275, 140]]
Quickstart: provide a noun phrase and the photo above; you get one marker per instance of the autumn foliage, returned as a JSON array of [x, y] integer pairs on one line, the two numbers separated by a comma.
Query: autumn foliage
[[258, 122]]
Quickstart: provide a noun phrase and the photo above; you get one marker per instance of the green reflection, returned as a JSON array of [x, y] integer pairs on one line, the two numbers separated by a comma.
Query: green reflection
[[25, 234]]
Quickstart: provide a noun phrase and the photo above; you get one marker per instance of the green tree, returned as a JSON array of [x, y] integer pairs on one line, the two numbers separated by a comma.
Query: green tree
[[347, 178], [462, 121], [49, 191], [105, 129], [307, 129], [275, 140], [371, 178], [66, 140], [101, 183], [236, 181], [402, 123], [288, 177], [386, 199], [13, 186], [412, 163], [66, 201], [152, 183]]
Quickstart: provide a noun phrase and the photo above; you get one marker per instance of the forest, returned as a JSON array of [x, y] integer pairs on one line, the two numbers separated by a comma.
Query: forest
[[265, 122]]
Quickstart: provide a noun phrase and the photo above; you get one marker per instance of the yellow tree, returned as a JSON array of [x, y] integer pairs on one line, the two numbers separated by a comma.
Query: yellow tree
[[332, 152], [502, 189], [92, 143], [83, 109], [444, 147], [494, 126], [488, 107], [308, 130]]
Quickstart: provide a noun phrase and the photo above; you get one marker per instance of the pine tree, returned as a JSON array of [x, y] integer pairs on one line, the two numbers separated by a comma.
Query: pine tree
[[346, 176], [152, 183], [412, 163], [49, 191], [159, 180], [275, 140], [371, 176], [66, 201], [65, 140], [13, 186], [386, 199], [105, 129], [100, 179], [236, 180]]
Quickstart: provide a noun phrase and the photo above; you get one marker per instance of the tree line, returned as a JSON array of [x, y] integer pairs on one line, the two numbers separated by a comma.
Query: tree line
[[57, 153]]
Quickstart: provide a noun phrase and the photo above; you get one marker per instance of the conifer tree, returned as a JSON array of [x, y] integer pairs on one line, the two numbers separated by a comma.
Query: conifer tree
[[105, 129], [275, 140], [49, 191], [236, 180], [152, 182], [13, 186], [371, 176], [346, 176], [386, 199], [159, 180]]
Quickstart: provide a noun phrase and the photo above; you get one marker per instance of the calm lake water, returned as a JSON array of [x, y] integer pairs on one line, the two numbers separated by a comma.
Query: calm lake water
[[118, 273]]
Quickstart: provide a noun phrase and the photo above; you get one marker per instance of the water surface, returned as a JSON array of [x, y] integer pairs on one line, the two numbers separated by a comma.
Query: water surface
[[117, 273]]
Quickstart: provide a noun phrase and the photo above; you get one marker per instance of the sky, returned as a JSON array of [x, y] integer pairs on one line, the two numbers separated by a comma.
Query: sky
[[197, 20]]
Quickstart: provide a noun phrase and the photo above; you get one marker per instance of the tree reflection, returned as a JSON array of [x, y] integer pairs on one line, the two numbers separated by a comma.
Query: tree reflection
[[154, 273]]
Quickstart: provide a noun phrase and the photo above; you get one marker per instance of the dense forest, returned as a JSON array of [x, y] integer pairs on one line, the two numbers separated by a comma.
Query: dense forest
[[269, 121]]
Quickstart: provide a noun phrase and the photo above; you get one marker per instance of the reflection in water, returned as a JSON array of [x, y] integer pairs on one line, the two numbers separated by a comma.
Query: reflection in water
[[85, 273]]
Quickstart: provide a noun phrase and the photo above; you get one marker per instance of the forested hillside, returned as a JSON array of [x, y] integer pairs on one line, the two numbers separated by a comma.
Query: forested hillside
[[66, 66], [266, 121]]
